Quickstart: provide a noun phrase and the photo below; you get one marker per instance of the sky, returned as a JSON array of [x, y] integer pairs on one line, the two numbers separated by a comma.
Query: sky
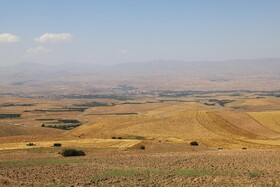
[[118, 31]]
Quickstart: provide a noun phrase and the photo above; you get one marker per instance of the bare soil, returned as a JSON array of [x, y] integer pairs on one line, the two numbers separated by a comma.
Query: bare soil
[[191, 167], [164, 128]]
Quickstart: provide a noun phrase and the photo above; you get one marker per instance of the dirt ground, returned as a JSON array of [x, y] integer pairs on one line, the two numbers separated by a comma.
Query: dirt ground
[[164, 128], [193, 166]]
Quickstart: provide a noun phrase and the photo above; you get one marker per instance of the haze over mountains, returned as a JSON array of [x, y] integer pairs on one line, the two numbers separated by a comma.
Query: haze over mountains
[[256, 74]]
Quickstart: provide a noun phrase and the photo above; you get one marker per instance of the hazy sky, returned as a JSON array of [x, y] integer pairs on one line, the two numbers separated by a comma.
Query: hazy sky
[[114, 31]]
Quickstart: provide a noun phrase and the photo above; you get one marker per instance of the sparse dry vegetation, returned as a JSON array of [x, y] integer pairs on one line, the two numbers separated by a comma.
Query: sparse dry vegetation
[[155, 145]]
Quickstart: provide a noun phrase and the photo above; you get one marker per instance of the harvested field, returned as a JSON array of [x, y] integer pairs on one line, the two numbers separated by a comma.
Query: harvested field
[[145, 144], [96, 143], [269, 120], [211, 168]]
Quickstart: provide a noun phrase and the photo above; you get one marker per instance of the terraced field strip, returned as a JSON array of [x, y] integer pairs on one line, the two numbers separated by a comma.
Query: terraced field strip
[[270, 119], [219, 126], [265, 142], [248, 124], [96, 143]]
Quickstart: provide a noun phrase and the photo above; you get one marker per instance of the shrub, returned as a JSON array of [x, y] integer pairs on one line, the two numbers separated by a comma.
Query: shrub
[[142, 147], [30, 144], [57, 144], [72, 152], [139, 137], [194, 143], [120, 138], [114, 137], [254, 174], [80, 153]]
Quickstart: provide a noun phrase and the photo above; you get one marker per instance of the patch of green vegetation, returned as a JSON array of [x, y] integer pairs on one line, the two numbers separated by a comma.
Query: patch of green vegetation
[[46, 119], [254, 174], [130, 173], [130, 137], [34, 162], [64, 124], [63, 127], [139, 137], [93, 104], [238, 107], [173, 100], [47, 185], [209, 104], [131, 103], [68, 121], [123, 113], [195, 172], [136, 137], [222, 102], [126, 113], [3, 116], [13, 104], [59, 110]]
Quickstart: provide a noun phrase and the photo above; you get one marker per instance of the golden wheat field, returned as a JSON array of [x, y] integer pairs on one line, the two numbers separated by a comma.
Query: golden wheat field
[[141, 142]]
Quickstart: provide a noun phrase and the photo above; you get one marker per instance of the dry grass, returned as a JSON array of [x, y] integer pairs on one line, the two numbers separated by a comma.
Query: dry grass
[[270, 120], [96, 143], [165, 129], [179, 122]]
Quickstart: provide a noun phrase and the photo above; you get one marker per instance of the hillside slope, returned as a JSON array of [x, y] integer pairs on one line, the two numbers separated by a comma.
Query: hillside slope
[[14, 130], [178, 123]]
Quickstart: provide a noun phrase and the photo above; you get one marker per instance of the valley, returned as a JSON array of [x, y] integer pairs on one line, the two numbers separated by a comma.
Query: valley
[[125, 138]]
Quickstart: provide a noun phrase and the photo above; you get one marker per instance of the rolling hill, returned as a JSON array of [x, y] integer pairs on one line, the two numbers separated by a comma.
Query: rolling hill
[[182, 123]]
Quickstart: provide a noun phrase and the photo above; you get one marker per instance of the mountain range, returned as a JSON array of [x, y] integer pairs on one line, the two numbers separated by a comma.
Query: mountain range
[[254, 74]]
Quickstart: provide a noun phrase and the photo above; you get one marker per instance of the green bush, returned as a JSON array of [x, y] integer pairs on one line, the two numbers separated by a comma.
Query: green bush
[[254, 174], [142, 147], [194, 143], [30, 144], [57, 144], [72, 152]]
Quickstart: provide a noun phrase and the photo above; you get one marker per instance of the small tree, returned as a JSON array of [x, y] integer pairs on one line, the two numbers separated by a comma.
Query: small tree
[[194, 143], [72, 152], [142, 147], [57, 144]]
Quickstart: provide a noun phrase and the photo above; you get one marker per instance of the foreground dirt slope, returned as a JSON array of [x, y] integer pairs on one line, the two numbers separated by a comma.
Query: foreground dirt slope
[[211, 168], [237, 147]]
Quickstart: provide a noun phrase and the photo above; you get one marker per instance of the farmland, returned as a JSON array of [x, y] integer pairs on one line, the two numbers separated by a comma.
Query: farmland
[[143, 140]]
